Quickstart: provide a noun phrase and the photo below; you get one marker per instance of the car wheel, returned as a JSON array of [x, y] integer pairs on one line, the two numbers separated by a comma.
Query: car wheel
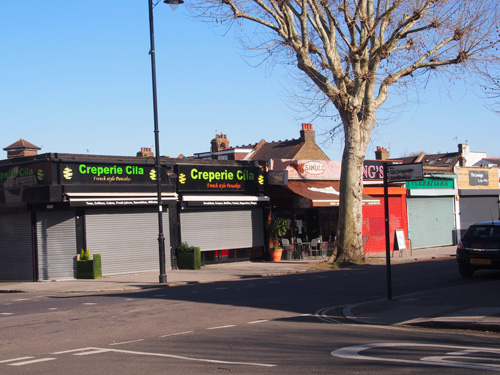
[[465, 271]]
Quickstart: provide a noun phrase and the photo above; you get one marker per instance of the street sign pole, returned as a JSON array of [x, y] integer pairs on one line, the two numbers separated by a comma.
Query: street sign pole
[[387, 238]]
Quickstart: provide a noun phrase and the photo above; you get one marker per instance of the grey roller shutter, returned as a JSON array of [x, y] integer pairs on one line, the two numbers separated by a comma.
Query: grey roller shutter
[[126, 240], [431, 221], [477, 208], [216, 230], [16, 250], [56, 242]]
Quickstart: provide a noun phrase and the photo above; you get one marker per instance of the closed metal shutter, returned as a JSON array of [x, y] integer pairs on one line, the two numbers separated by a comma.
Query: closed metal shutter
[[16, 250], [217, 230], [126, 240], [477, 208], [56, 242], [431, 221]]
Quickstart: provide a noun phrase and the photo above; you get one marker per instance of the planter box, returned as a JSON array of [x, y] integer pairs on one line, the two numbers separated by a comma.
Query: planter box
[[189, 261], [89, 269], [275, 254]]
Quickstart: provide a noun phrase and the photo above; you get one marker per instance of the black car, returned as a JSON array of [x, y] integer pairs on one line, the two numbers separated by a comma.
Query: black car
[[479, 248]]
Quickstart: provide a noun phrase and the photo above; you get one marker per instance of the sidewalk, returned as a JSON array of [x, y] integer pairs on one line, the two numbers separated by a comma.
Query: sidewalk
[[465, 306], [209, 273]]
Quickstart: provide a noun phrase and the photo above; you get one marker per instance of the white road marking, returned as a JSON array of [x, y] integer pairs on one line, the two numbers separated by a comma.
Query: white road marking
[[15, 359], [258, 321], [126, 342], [73, 351], [177, 334], [22, 299], [354, 352], [53, 308], [89, 351], [30, 362], [6, 313], [94, 351], [89, 303], [220, 327]]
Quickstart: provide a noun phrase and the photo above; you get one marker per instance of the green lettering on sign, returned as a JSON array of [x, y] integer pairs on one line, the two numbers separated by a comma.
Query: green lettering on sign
[[431, 183]]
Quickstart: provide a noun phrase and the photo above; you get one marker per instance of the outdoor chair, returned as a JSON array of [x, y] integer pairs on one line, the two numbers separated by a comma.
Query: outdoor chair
[[315, 247], [298, 249]]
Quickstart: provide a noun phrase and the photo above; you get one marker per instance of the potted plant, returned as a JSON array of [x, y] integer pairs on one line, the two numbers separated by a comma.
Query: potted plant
[[188, 257], [87, 268], [278, 228]]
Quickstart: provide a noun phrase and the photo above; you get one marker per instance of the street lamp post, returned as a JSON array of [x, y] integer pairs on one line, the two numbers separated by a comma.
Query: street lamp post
[[161, 237]]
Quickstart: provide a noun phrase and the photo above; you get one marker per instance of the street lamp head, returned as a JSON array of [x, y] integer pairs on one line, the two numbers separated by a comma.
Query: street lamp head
[[173, 3]]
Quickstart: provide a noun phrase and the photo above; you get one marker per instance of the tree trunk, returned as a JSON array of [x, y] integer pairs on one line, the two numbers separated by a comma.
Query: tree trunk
[[349, 239]]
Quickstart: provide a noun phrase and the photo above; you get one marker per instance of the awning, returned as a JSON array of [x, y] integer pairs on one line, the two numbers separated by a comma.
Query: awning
[[116, 199], [323, 193], [225, 200]]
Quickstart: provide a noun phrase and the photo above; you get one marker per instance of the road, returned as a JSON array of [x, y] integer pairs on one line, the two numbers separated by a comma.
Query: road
[[289, 324]]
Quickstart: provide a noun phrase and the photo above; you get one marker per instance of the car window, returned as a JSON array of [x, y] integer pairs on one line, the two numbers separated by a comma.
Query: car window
[[484, 232]]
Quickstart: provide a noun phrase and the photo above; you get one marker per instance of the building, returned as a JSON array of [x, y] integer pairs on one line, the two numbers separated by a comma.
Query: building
[[54, 205], [454, 193]]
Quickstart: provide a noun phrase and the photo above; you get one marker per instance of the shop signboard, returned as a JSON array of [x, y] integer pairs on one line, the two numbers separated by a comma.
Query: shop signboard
[[478, 178], [431, 183], [217, 179], [108, 173], [25, 175], [308, 169]]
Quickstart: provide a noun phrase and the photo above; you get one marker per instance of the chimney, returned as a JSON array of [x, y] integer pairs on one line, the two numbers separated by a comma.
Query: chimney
[[464, 151], [21, 149], [307, 133], [145, 152], [219, 143], [381, 153]]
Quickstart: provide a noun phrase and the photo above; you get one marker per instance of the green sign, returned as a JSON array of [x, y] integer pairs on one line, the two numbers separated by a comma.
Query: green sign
[[431, 183]]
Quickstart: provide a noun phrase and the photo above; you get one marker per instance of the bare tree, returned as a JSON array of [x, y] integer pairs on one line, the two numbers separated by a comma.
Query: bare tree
[[354, 51]]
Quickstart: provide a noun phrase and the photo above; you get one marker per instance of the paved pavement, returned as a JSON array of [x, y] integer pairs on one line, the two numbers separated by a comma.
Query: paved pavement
[[463, 307]]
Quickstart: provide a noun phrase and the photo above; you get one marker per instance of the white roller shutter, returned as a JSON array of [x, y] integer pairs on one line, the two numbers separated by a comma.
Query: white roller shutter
[[227, 229], [16, 250], [126, 240], [431, 221], [56, 243]]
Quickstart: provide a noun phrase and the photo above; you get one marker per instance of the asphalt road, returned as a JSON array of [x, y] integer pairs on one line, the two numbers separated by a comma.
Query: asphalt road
[[279, 325]]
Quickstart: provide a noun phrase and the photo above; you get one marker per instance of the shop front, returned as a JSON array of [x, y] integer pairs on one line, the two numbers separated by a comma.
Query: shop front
[[56, 205], [374, 215], [431, 211], [478, 193], [308, 195], [222, 210]]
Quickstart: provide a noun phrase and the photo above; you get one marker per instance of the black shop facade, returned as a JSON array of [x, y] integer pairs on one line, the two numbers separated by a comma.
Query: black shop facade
[[222, 208], [54, 205]]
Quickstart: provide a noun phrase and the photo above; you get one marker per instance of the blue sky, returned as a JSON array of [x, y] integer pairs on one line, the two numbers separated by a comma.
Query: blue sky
[[76, 78]]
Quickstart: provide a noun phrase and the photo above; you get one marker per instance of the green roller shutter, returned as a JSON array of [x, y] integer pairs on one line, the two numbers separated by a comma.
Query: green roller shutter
[[431, 221]]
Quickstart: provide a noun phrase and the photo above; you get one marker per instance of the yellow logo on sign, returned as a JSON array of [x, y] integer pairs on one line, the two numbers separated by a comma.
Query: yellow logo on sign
[[261, 180], [68, 173], [153, 175], [182, 178]]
